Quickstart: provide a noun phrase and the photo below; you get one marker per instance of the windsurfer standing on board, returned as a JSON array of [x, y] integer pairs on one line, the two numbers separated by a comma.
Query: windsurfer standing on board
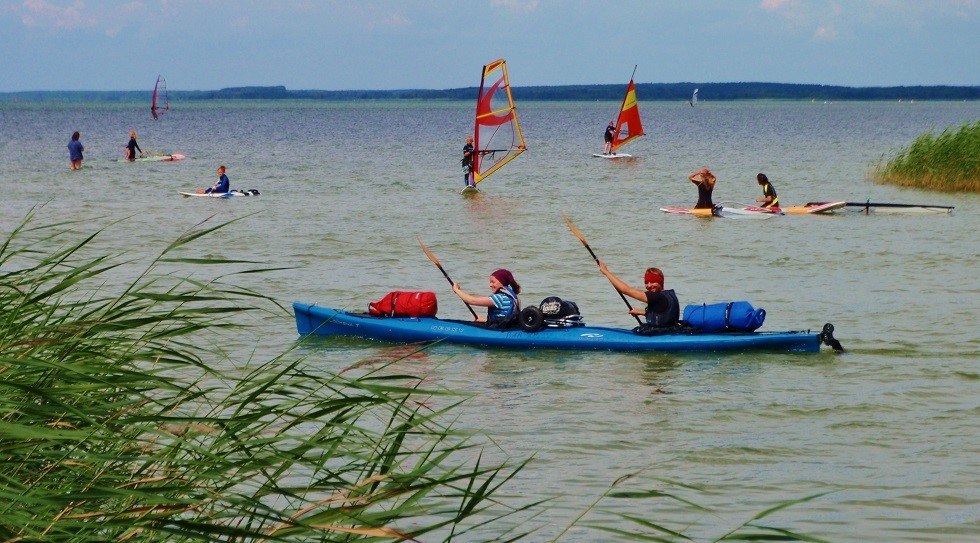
[[608, 137], [705, 180], [467, 162]]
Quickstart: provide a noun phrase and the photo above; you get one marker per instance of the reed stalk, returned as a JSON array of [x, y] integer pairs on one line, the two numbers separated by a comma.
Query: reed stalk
[[115, 427], [949, 162]]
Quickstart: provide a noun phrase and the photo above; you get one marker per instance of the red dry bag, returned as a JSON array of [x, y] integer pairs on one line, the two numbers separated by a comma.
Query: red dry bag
[[405, 304]]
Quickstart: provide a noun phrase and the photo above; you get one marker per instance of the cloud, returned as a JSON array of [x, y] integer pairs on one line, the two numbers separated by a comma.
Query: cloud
[[777, 5], [519, 6], [825, 33], [41, 14]]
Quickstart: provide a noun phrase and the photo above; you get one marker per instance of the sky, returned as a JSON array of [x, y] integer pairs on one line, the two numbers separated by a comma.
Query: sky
[[439, 44]]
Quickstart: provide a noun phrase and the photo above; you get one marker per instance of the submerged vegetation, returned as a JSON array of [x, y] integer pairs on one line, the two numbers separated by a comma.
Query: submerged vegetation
[[114, 426], [949, 162]]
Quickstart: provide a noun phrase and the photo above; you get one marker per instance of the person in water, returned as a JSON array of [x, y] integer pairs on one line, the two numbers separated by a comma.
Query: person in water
[[132, 146], [768, 198], [467, 162], [222, 186], [608, 137], [75, 149], [503, 306], [705, 180], [662, 310]]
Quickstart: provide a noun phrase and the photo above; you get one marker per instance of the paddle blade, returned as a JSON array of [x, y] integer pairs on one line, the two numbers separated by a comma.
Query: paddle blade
[[427, 252], [573, 229]]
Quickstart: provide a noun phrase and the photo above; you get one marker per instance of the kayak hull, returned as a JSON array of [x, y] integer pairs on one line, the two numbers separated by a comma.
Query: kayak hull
[[324, 321]]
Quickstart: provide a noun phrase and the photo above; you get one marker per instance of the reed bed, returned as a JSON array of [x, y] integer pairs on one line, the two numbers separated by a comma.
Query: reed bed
[[948, 162], [115, 426]]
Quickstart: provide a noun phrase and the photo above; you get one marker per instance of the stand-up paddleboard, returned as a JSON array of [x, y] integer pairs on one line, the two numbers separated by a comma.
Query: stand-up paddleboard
[[723, 211], [700, 212], [813, 208], [612, 156], [469, 190], [234, 193]]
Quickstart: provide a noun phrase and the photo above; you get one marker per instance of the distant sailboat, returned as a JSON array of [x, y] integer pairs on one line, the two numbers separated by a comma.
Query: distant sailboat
[[497, 137], [694, 98], [628, 125], [161, 100]]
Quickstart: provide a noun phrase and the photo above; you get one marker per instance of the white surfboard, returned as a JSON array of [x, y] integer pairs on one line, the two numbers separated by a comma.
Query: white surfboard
[[469, 191], [612, 156]]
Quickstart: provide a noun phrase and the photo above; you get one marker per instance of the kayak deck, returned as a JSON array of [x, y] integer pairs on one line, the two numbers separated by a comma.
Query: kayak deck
[[324, 321]]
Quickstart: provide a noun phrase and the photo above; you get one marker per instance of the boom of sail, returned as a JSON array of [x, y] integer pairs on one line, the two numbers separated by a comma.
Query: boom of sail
[[497, 137]]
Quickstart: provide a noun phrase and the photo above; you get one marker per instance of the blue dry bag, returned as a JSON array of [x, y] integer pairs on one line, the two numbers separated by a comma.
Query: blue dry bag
[[738, 316]]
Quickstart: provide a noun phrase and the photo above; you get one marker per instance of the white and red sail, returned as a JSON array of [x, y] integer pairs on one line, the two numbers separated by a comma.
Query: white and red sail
[[628, 125], [497, 137], [161, 100]]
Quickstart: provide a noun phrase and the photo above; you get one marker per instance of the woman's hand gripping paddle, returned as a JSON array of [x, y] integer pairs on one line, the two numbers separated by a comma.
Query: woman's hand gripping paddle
[[594, 257], [435, 261]]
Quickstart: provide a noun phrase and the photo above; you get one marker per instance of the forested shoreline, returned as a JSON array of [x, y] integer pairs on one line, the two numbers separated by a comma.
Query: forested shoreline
[[645, 91]]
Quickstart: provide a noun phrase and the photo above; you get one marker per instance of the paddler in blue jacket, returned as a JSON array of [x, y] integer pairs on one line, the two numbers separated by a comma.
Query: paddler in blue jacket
[[663, 309], [503, 306], [222, 186], [768, 198]]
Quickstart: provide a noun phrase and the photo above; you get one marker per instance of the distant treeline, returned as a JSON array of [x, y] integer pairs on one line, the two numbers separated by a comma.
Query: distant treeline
[[645, 91]]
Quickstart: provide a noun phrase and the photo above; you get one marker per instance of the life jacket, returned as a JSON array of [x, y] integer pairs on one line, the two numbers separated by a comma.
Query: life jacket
[[663, 308], [768, 190], [497, 318]]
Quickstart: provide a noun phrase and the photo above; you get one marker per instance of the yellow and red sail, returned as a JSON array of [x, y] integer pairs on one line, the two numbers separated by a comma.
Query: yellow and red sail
[[497, 137], [628, 125]]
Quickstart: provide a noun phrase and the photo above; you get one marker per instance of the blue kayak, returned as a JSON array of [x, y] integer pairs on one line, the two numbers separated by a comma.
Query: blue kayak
[[324, 321]]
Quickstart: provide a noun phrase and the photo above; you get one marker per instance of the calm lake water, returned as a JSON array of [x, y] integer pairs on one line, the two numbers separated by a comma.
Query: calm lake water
[[890, 428]]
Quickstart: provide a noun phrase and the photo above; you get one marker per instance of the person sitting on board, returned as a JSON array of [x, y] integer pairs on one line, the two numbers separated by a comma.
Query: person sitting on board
[[608, 137], [132, 146], [768, 198], [222, 186], [467, 162], [662, 310], [75, 149], [705, 180], [503, 306]]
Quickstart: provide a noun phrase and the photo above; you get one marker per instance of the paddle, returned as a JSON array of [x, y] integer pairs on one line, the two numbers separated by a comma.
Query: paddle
[[594, 257], [435, 261]]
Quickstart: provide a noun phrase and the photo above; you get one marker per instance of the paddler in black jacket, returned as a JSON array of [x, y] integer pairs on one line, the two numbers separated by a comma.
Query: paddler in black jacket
[[663, 309], [705, 180]]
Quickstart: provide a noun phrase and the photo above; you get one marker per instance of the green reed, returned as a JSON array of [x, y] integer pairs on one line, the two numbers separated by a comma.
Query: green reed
[[115, 427], [948, 162]]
